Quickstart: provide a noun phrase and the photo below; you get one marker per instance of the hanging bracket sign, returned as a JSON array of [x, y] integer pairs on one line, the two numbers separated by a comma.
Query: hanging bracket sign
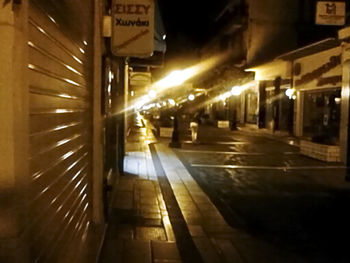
[[330, 13], [132, 28]]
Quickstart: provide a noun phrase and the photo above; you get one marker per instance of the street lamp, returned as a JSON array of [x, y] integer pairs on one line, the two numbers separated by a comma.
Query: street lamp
[[171, 102], [236, 90], [191, 97]]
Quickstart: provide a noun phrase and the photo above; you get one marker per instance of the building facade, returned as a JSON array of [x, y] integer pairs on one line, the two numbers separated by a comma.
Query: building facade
[[61, 139]]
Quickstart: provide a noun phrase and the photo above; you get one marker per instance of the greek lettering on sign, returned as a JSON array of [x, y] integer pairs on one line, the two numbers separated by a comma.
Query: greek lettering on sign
[[131, 9], [132, 27], [138, 22]]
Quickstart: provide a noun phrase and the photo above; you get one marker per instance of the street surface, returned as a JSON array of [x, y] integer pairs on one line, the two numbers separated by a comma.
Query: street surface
[[266, 188]]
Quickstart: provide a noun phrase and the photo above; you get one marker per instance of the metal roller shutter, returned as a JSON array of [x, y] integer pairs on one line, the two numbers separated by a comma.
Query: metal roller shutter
[[60, 140]]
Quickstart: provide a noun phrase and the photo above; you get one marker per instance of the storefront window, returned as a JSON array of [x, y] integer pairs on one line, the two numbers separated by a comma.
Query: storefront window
[[270, 96], [252, 107], [322, 116]]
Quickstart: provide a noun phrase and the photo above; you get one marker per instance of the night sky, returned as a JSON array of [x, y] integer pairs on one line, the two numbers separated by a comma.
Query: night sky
[[188, 25]]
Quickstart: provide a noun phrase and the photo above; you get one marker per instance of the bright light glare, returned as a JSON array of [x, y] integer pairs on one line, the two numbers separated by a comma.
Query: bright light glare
[[236, 90], [175, 78], [110, 76], [178, 77], [164, 37], [164, 103], [191, 97], [152, 94], [144, 100], [150, 106], [289, 92], [172, 102], [227, 94]]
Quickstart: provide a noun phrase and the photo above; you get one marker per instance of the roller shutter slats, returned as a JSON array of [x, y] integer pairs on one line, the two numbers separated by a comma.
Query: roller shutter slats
[[60, 140]]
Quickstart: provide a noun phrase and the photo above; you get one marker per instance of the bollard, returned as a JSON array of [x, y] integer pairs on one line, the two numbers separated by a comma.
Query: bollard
[[175, 139]]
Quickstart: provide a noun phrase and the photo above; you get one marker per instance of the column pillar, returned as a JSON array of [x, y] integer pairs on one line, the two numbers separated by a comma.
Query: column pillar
[[14, 139], [97, 164]]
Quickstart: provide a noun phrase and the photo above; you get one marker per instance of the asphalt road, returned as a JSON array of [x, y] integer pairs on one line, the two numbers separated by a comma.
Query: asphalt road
[[268, 189]]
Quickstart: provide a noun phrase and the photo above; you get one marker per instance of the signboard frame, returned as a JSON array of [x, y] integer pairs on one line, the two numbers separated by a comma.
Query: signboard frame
[[330, 13], [133, 28]]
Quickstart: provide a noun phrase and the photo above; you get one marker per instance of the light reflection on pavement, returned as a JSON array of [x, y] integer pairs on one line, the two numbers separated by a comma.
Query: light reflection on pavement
[[293, 201]]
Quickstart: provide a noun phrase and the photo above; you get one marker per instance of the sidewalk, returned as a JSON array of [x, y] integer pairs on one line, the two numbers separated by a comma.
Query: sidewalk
[[139, 229], [160, 214], [277, 135]]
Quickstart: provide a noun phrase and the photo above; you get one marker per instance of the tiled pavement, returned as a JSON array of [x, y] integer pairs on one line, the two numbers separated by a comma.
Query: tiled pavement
[[140, 229]]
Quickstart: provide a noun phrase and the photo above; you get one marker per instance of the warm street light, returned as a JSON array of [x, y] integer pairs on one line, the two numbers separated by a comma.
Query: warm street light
[[236, 90], [152, 94], [175, 78], [191, 97], [171, 102], [144, 100], [290, 92]]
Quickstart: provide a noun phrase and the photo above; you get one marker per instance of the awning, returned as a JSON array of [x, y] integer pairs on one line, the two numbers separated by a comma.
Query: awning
[[311, 49]]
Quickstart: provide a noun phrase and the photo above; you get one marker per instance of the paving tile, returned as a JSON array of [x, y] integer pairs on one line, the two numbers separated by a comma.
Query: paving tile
[[148, 194], [150, 233], [123, 200], [168, 229], [263, 251], [200, 199], [145, 185], [192, 218], [187, 205], [112, 251], [207, 250], [183, 198], [150, 209], [196, 231], [218, 230], [136, 251], [149, 201], [229, 252], [208, 209], [166, 261], [164, 212], [163, 250], [125, 185], [148, 215], [148, 222], [181, 193], [120, 231], [161, 205]]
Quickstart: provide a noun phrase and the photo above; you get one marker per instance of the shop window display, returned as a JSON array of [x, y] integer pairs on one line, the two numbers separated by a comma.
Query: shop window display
[[322, 116]]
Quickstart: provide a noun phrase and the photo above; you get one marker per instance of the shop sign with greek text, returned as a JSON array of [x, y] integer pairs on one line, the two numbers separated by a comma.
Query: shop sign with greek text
[[132, 28], [330, 13]]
